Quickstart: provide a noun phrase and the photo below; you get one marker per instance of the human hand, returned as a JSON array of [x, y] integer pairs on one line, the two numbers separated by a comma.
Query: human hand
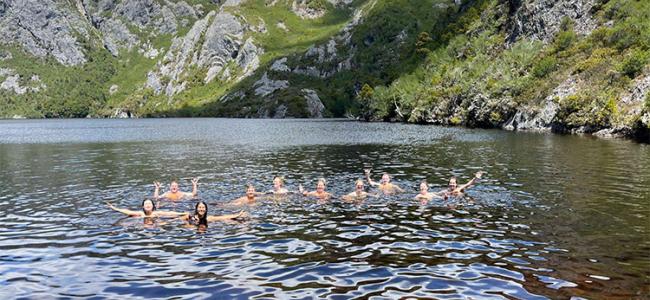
[[242, 215], [195, 181], [367, 171], [479, 174], [156, 185]]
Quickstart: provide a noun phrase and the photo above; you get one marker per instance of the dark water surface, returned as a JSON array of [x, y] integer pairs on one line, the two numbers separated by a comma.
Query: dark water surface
[[554, 217]]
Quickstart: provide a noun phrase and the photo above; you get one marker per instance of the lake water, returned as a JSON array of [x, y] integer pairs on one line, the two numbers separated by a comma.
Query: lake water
[[554, 216]]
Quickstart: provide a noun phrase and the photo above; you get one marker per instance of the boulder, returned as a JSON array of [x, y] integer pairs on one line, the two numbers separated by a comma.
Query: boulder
[[280, 65], [12, 83], [315, 106], [266, 86]]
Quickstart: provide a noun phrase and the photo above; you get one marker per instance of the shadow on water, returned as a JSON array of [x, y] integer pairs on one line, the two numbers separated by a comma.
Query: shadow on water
[[554, 217]]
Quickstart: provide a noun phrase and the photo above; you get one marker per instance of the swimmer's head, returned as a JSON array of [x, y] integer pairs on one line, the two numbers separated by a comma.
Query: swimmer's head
[[358, 185], [148, 206], [452, 183], [250, 191], [278, 182], [320, 186], [173, 187], [385, 178], [424, 187], [201, 211]]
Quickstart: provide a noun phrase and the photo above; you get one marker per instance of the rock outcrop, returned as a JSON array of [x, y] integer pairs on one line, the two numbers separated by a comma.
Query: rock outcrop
[[541, 19], [44, 28], [266, 86], [210, 46], [315, 107], [541, 119]]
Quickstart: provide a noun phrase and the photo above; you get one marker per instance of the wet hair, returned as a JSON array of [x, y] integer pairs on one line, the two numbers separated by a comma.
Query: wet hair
[[322, 180], [202, 220], [280, 178], [153, 204], [424, 182], [452, 178], [358, 181]]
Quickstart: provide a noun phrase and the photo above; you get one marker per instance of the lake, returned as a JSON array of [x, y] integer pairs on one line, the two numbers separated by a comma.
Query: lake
[[554, 216]]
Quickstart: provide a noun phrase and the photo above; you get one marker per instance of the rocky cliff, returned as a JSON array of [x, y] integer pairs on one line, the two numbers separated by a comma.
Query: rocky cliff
[[567, 65]]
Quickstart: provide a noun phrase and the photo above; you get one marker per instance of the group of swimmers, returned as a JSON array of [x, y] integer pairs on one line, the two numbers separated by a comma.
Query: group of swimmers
[[200, 215]]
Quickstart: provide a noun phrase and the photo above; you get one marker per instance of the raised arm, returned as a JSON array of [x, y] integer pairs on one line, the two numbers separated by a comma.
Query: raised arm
[[397, 188], [156, 191], [195, 186], [370, 182], [242, 214], [169, 213], [124, 211], [477, 176]]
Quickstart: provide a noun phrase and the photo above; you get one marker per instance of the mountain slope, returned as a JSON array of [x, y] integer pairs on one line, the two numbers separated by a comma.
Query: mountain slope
[[568, 65]]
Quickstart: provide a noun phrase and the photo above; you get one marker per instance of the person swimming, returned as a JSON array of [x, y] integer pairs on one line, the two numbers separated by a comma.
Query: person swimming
[[454, 190], [148, 211], [174, 193], [200, 216], [249, 199], [359, 194], [278, 187], [319, 193], [425, 196], [385, 186]]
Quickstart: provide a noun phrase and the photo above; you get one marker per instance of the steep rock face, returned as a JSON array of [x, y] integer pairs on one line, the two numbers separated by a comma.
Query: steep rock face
[[44, 28], [315, 107], [210, 46], [117, 35], [631, 102], [139, 12], [541, 119], [541, 19]]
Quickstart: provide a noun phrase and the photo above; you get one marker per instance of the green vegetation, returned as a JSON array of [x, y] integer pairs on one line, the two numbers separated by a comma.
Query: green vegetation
[[470, 77], [422, 61]]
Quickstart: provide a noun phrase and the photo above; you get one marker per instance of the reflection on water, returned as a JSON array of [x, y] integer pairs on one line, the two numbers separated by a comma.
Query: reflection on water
[[554, 217]]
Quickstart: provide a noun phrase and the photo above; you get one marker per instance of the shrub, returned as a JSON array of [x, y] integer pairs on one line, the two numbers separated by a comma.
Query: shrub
[[634, 63], [544, 67], [564, 40]]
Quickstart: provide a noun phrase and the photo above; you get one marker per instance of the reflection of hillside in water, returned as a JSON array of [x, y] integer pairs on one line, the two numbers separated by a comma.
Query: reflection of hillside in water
[[555, 216]]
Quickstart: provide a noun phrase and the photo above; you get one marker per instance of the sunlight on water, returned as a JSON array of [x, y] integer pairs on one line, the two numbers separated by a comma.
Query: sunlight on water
[[554, 216]]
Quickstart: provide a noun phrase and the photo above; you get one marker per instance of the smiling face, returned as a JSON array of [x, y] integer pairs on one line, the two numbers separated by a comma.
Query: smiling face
[[277, 183], [147, 207], [452, 183], [424, 188], [385, 178], [201, 209], [358, 186], [173, 187], [320, 187], [250, 192]]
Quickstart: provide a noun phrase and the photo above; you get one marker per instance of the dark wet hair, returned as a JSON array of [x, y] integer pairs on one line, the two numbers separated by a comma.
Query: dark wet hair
[[152, 204], [202, 220], [452, 178]]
